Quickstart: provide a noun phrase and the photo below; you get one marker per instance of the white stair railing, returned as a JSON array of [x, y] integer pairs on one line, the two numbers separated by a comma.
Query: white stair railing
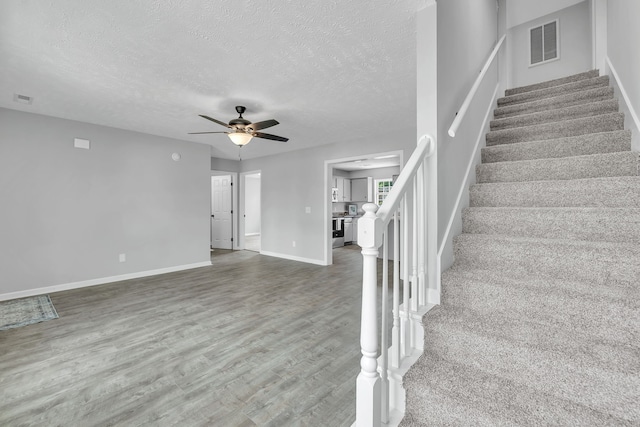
[[412, 206]]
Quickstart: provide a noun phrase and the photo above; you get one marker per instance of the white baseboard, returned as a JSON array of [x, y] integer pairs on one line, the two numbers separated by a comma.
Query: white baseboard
[[625, 95], [251, 234], [99, 281], [294, 258]]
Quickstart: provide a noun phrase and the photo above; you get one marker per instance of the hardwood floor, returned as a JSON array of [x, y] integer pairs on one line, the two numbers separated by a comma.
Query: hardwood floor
[[253, 340]]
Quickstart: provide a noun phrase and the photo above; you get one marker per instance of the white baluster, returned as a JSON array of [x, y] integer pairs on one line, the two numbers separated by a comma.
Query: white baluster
[[433, 264], [368, 381], [404, 324], [395, 330], [384, 365], [414, 250], [421, 235]]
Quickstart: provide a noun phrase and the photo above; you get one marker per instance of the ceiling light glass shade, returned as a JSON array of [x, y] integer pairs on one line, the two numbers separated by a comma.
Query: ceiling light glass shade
[[240, 138]]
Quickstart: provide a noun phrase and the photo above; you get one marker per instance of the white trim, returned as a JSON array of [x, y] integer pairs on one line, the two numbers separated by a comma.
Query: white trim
[[625, 96], [100, 281], [294, 258], [252, 234], [464, 186], [234, 205], [242, 206]]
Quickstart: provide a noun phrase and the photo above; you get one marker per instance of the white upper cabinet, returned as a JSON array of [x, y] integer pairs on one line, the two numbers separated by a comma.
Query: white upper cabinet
[[362, 190], [343, 186]]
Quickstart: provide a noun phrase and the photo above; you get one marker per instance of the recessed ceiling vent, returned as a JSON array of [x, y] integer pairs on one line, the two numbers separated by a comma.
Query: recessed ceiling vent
[[23, 99]]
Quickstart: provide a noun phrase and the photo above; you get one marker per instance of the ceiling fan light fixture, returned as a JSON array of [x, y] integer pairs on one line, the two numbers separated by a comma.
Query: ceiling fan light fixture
[[240, 138]]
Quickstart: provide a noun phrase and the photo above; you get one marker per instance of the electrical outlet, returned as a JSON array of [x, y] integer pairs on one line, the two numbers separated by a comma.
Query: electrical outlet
[[307, 209], [123, 257], [293, 243]]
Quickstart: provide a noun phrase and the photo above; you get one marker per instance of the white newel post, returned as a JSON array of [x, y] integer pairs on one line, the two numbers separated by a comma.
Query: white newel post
[[368, 394]]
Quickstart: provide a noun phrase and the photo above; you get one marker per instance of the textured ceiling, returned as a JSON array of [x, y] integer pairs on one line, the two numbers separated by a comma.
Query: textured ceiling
[[328, 71]]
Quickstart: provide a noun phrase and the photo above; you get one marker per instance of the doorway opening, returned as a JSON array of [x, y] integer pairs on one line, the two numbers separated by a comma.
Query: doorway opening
[[349, 184], [221, 212], [251, 212]]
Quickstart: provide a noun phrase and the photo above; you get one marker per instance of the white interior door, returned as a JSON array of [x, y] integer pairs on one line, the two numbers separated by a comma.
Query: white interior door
[[221, 212]]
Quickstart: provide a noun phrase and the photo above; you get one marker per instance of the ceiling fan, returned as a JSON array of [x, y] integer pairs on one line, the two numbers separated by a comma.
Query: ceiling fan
[[242, 130]]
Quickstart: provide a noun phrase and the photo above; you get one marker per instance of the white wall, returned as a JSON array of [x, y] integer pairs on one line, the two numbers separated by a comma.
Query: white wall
[[68, 213], [467, 33], [624, 54], [521, 11], [377, 173], [252, 204], [575, 46]]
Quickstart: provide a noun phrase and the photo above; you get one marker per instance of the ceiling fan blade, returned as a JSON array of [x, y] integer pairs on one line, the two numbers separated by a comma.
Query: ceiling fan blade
[[197, 133], [271, 137], [215, 121], [263, 125]]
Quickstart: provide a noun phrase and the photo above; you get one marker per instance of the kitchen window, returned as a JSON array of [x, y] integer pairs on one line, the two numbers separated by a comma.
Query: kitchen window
[[382, 186]]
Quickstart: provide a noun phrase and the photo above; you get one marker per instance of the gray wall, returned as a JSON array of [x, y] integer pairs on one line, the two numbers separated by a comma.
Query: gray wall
[[68, 213], [295, 180], [575, 47], [252, 205], [623, 52], [467, 33]]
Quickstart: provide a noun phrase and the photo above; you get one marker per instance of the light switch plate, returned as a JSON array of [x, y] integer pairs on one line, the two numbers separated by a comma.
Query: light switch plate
[[81, 143], [307, 209]]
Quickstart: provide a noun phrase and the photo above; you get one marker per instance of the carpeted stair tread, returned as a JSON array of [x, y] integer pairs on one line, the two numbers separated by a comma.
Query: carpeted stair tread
[[581, 145], [548, 312], [581, 126], [593, 224], [442, 392], [555, 82], [554, 91], [593, 192], [550, 116], [566, 100], [561, 258], [623, 163], [561, 375]]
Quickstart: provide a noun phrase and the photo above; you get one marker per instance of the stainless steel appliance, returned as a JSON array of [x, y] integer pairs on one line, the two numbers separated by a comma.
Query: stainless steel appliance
[[338, 232], [348, 231]]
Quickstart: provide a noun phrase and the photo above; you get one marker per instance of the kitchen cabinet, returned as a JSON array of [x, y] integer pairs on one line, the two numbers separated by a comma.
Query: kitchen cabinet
[[362, 190], [346, 193], [344, 189]]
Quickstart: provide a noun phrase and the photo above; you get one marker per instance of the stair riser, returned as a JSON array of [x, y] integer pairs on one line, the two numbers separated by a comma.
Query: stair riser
[[552, 258], [577, 98], [553, 83], [580, 167], [552, 116], [582, 145], [607, 225], [596, 124], [554, 91]]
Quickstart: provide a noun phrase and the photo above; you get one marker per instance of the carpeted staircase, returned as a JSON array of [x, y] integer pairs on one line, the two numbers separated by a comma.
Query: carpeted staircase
[[540, 315]]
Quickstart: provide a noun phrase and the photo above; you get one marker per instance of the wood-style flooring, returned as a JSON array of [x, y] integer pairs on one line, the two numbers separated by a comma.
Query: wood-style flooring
[[251, 341]]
